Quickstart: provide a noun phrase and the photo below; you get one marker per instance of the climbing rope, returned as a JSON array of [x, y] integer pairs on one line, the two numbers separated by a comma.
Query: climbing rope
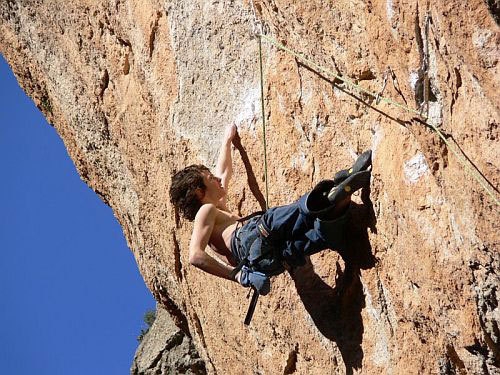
[[473, 171], [258, 30], [263, 120]]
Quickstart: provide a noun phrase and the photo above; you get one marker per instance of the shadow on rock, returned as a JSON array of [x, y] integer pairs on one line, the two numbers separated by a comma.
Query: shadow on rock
[[336, 311], [357, 250], [252, 181]]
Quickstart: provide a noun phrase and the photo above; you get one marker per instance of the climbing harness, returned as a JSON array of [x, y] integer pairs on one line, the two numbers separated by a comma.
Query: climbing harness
[[243, 259], [264, 259]]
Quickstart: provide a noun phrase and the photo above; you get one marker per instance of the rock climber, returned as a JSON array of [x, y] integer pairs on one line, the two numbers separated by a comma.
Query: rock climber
[[257, 247]]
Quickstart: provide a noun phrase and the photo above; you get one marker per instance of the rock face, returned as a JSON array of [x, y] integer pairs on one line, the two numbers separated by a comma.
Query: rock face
[[139, 89], [165, 349]]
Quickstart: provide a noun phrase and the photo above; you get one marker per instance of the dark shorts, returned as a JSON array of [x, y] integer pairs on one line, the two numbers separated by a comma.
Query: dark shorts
[[294, 233]]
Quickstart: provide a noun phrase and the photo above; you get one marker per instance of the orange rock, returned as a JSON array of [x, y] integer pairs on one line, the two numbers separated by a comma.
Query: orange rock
[[139, 89]]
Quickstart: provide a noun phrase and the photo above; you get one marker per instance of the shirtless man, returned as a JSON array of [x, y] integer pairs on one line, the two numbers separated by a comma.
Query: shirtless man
[[254, 250]]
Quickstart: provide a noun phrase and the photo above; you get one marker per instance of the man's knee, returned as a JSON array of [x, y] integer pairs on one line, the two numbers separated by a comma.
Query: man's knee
[[316, 201]]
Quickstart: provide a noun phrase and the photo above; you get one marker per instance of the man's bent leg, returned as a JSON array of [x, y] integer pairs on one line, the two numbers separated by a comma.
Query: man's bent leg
[[309, 225], [337, 210], [330, 233]]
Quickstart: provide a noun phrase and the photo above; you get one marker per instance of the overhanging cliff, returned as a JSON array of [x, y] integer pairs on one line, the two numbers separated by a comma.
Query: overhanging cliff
[[139, 89]]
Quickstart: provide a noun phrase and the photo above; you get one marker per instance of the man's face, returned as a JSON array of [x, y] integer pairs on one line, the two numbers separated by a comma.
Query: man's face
[[214, 189]]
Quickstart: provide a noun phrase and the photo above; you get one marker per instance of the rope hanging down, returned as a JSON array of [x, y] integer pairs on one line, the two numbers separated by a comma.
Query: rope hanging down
[[462, 159], [263, 120]]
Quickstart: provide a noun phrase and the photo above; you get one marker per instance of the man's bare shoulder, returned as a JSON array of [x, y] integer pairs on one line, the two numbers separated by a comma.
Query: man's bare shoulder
[[212, 213], [206, 212]]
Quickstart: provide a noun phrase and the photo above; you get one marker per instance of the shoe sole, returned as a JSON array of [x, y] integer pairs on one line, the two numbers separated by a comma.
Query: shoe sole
[[351, 184], [363, 162]]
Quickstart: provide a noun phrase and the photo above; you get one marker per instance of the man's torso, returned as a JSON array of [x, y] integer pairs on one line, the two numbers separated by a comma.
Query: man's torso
[[220, 238]]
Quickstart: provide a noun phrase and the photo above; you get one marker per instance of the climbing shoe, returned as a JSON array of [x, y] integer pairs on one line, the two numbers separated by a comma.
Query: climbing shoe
[[351, 184], [362, 163]]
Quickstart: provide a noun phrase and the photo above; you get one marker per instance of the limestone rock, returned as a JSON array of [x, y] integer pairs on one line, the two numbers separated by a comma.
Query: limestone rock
[[165, 349], [139, 89]]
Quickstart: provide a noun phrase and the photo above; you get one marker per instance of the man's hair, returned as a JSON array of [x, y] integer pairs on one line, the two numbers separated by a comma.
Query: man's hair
[[183, 190]]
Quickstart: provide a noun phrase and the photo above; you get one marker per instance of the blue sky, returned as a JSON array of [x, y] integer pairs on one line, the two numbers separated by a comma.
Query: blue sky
[[72, 299]]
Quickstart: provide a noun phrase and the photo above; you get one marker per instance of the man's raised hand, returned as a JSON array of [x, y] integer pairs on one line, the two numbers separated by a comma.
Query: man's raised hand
[[230, 132]]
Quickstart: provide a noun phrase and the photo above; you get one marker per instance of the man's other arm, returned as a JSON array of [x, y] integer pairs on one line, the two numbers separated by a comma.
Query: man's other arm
[[203, 226], [224, 167]]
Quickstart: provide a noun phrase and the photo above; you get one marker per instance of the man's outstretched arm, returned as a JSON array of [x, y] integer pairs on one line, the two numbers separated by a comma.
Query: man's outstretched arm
[[224, 168], [203, 226]]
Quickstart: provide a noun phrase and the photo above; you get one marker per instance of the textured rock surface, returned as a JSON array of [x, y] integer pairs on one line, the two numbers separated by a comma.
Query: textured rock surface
[[165, 349], [138, 89]]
